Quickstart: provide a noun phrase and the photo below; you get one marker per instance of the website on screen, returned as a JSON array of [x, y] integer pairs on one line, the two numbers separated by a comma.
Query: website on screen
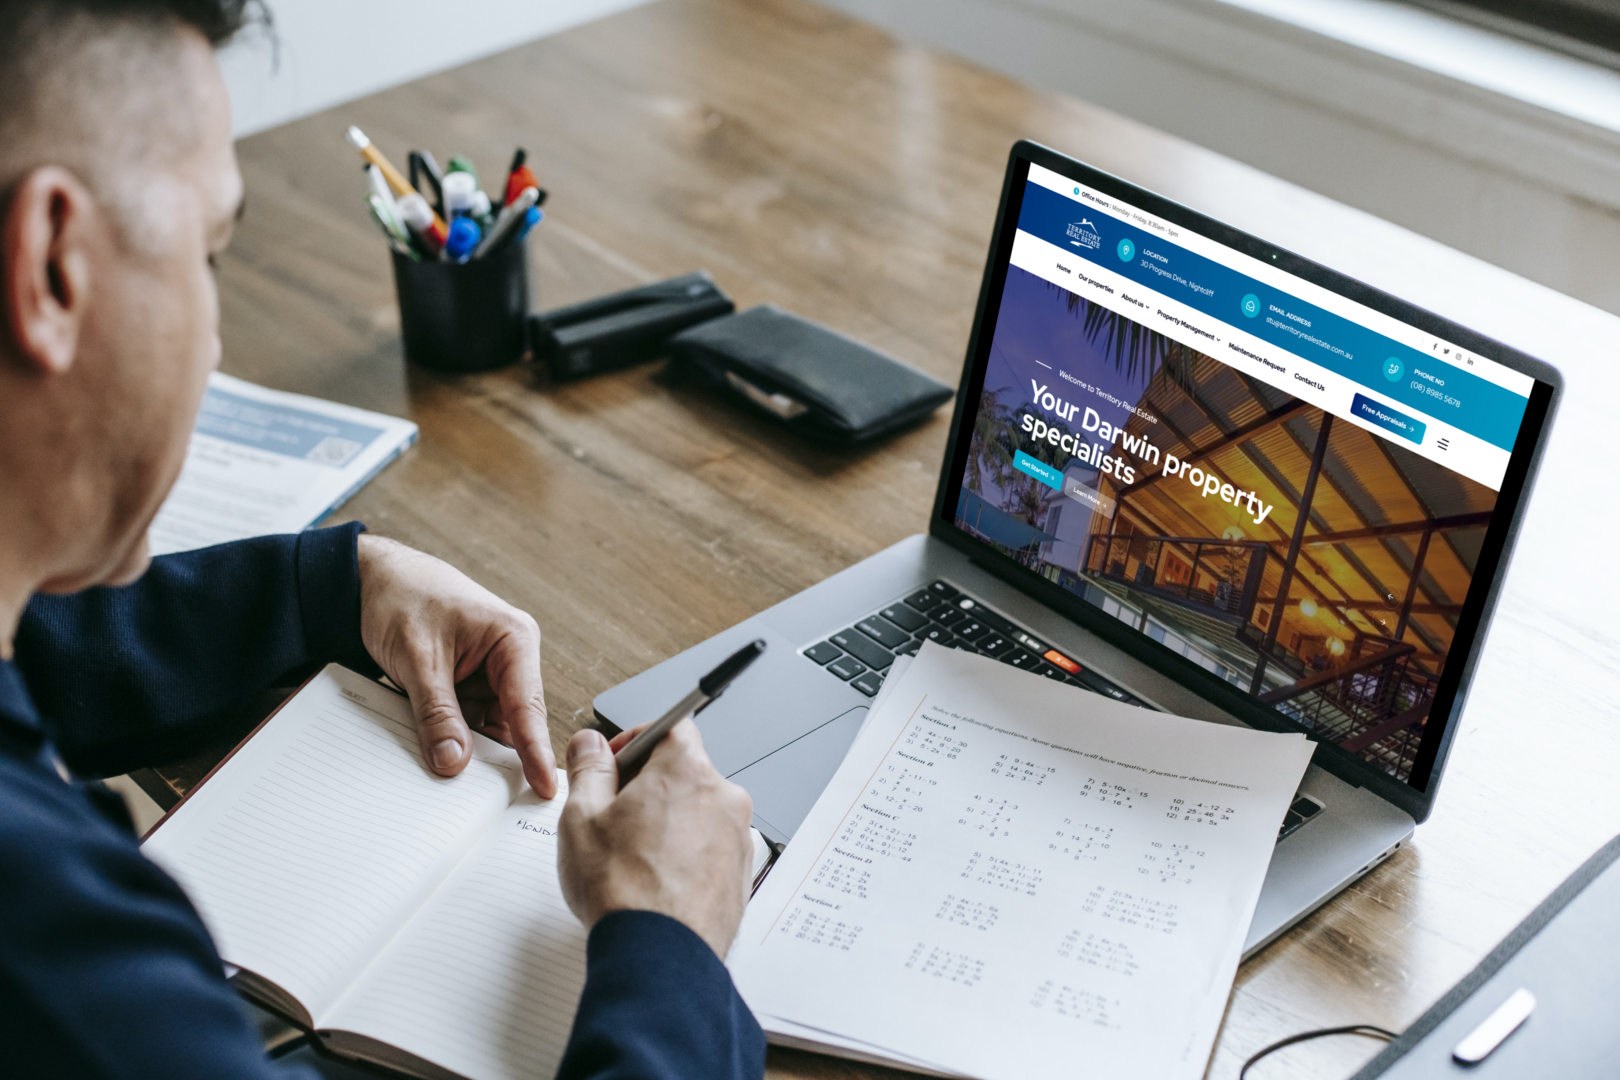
[[1285, 487]]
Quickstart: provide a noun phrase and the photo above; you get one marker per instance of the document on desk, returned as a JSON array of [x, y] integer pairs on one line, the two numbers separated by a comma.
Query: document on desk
[[265, 461], [1010, 877]]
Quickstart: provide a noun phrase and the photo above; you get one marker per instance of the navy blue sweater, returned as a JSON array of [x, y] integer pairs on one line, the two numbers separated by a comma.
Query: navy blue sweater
[[105, 968]]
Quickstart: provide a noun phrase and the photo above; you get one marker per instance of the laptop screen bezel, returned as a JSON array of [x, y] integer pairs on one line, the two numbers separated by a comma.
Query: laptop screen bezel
[[1468, 640]]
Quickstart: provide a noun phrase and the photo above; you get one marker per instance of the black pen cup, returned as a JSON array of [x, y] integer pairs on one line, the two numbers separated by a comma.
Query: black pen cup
[[470, 316]]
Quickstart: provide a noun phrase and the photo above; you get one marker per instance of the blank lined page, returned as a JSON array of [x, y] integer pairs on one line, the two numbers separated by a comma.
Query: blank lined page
[[485, 980], [320, 837]]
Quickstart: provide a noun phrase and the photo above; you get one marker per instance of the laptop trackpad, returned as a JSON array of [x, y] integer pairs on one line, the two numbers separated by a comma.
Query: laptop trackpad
[[786, 783]]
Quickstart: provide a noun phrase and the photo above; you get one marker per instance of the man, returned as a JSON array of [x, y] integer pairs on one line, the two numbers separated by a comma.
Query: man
[[118, 188]]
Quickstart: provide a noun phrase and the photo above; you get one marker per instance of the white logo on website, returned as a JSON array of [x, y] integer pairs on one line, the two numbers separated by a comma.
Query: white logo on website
[[1083, 234]]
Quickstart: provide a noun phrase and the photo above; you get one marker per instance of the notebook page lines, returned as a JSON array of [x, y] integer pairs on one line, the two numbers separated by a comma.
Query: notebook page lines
[[331, 846], [485, 980]]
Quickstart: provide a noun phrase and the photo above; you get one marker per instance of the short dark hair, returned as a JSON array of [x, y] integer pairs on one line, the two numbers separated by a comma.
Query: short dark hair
[[216, 20], [84, 81]]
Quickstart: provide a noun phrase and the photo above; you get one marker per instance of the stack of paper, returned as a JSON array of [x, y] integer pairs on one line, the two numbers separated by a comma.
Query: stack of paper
[[265, 461], [1011, 877]]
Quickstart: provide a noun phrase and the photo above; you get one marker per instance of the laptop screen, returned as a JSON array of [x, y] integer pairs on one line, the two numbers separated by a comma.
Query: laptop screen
[[1280, 485]]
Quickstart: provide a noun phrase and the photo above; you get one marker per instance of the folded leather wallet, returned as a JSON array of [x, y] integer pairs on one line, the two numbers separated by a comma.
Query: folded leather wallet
[[813, 379]]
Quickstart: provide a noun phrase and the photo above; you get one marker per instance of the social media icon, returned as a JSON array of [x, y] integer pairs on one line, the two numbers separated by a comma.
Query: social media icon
[[1251, 305], [1394, 369], [1127, 250]]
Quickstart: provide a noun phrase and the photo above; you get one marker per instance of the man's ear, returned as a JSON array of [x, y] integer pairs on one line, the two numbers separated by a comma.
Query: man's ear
[[45, 267]]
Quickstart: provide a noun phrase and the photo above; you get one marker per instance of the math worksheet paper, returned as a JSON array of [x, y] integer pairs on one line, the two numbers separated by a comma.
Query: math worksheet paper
[[1010, 877]]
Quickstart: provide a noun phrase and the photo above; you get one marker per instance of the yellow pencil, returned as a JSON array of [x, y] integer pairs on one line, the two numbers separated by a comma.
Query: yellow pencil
[[401, 186]]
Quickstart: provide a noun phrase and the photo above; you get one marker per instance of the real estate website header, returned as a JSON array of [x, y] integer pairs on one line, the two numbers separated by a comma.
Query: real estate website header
[[1395, 369]]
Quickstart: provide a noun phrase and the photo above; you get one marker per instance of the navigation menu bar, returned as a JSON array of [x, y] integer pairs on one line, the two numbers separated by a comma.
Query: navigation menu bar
[[1264, 361]]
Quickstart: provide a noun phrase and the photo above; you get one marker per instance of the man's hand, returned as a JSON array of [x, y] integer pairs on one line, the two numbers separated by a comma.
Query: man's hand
[[674, 841], [468, 659]]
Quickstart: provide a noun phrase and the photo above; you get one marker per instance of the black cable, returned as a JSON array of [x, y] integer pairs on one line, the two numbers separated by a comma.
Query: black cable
[[1353, 1029]]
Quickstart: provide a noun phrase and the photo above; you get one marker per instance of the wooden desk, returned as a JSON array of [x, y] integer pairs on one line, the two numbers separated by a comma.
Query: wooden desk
[[812, 161]]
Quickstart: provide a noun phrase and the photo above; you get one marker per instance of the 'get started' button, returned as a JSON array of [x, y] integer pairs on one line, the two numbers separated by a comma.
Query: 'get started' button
[[1040, 470], [1392, 421]]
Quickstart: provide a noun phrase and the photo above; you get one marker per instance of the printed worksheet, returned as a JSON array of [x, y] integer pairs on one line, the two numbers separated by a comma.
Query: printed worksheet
[[1011, 877]]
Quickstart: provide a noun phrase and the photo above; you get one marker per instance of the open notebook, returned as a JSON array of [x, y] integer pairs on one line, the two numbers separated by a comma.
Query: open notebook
[[411, 921]]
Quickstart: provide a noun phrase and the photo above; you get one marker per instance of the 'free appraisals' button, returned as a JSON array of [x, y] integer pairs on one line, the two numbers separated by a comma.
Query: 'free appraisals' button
[[1396, 423]]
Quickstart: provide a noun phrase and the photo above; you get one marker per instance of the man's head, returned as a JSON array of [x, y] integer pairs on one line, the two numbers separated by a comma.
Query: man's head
[[118, 186]]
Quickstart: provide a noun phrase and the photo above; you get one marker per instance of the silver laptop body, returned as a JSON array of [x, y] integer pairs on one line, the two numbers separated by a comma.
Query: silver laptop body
[[782, 730]]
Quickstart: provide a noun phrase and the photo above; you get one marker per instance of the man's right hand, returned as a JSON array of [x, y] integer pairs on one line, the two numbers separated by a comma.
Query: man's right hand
[[674, 841]]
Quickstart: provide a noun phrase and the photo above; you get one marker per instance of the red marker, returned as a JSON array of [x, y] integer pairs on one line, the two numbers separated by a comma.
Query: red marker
[[519, 179], [518, 157]]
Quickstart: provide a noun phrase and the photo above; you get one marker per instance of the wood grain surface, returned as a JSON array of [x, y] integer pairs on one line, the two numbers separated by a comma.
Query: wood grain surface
[[812, 161]]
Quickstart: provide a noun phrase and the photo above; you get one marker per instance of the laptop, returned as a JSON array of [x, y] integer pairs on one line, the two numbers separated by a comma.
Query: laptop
[[1190, 471]]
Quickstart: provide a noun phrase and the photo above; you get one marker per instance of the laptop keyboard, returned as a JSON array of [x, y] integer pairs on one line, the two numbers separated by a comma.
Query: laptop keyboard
[[942, 613], [1304, 808], [862, 654]]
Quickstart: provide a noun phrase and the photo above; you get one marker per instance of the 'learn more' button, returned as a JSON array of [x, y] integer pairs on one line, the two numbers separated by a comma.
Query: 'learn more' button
[[1040, 470], [1087, 496], [1391, 420]]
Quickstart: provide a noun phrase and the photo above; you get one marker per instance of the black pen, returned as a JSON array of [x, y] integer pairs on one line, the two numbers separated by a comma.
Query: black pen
[[423, 167], [634, 754]]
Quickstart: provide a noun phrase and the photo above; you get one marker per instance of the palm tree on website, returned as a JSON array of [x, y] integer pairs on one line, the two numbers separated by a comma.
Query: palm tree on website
[[995, 435], [1031, 501], [1131, 346]]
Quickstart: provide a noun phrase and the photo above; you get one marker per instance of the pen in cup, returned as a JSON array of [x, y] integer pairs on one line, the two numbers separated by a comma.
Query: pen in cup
[[507, 223], [401, 186], [427, 177]]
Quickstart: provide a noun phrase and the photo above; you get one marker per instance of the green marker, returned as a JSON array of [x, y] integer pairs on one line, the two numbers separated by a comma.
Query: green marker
[[463, 164], [391, 226]]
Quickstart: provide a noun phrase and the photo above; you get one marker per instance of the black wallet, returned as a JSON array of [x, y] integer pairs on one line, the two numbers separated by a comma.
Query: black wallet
[[814, 379]]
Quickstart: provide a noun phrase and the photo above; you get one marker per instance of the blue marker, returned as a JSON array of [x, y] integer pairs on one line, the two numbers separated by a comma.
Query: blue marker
[[530, 220], [464, 236]]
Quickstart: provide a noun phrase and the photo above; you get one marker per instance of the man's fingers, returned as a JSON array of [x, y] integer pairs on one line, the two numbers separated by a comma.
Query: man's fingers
[[474, 687], [689, 740], [443, 733], [513, 670], [681, 753], [539, 762], [481, 714], [622, 739], [440, 727], [593, 779]]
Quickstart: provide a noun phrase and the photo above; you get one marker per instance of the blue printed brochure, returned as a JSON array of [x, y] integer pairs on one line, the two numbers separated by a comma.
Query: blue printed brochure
[[266, 461]]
